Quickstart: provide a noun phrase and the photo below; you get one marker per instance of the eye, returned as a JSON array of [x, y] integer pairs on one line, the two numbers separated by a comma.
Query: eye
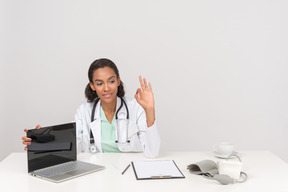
[[112, 81], [98, 84]]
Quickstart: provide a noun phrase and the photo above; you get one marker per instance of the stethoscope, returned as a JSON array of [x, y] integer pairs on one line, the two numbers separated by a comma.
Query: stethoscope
[[92, 147]]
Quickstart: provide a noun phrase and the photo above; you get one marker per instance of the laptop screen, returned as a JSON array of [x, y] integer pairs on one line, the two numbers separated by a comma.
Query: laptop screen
[[51, 146]]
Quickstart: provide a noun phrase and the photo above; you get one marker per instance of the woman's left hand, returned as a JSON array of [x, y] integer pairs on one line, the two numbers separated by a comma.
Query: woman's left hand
[[145, 98]]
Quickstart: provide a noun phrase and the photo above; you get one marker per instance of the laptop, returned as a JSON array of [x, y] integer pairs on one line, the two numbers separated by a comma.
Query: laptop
[[52, 154]]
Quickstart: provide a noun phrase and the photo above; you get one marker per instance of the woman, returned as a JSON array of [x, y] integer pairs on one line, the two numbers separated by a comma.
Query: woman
[[111, 122]]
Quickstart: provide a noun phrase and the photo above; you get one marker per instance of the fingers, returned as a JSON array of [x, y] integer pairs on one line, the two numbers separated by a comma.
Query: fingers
[[26, 140], [141, 83], [136, 96], [138, 92], [150, 87], [144, 84], [37, 127], [26, 143]]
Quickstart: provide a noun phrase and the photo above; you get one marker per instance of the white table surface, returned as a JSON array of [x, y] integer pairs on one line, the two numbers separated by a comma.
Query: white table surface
[[266, 172]]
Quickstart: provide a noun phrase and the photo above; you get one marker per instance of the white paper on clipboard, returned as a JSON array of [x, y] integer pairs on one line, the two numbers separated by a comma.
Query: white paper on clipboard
[[159, 169]]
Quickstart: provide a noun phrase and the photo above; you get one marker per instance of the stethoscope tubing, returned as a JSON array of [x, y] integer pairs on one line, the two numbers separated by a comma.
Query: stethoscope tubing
[[127, 118]]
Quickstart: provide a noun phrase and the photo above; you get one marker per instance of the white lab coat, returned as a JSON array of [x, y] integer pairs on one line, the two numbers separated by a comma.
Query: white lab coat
[[141, 137]]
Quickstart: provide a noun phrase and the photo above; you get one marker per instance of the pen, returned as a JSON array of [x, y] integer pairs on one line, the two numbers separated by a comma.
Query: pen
[[125, 169]]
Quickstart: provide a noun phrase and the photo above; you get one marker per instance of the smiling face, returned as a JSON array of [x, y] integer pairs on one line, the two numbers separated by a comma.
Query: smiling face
[[105, 83]]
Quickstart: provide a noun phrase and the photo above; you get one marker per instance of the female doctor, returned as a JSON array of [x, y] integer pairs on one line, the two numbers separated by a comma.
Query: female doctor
[[111, 122]]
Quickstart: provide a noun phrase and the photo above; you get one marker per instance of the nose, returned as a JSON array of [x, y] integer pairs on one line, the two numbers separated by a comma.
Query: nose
[[106, 87]]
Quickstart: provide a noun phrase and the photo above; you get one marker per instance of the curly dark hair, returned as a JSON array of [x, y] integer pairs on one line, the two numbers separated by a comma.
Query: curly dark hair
[[100, 63]]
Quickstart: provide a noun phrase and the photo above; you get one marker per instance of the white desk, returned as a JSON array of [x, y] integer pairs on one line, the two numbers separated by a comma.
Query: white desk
[[266, 172]]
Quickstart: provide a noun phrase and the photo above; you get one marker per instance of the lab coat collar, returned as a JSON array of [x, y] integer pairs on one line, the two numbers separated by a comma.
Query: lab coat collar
[[95, 126], [97, 110], [121, 114]]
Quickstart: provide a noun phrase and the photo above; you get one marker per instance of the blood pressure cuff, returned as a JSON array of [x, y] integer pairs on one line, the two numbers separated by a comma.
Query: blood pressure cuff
[[42, 138], [203, 167]]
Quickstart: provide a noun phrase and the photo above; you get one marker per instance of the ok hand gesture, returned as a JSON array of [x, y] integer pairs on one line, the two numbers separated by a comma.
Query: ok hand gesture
[[145, 98]]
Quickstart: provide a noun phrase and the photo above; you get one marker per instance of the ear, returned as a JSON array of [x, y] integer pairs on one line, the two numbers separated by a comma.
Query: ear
[[119, 81], [92, 86]]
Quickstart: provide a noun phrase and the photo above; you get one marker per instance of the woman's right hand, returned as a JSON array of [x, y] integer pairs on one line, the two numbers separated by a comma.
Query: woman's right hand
[[26, 140]]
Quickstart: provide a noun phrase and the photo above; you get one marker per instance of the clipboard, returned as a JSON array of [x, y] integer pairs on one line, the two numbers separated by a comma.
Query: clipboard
[[158, 169]]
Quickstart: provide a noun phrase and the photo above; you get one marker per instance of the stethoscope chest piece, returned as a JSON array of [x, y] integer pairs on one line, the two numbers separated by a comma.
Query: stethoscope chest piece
[[92, 148]]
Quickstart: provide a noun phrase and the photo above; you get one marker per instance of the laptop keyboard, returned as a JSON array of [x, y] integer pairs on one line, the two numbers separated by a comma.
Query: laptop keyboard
[[60, 169]]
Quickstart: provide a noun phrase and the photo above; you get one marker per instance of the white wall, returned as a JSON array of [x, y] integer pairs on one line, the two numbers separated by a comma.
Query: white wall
[[218, 68]]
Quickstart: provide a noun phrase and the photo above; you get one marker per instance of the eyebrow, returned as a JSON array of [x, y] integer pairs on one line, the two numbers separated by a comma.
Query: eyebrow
[[108, 78]]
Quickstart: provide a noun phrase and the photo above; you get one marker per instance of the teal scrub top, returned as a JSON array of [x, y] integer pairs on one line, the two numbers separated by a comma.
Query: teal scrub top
[[108, 134]]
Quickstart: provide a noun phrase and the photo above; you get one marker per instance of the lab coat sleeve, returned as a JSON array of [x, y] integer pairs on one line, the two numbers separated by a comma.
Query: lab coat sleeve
[[152, 142], [81, 124], [149, 136], [79, 128]]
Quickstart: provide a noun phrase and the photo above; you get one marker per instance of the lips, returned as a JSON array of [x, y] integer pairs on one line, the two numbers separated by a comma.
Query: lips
[[108, 95]]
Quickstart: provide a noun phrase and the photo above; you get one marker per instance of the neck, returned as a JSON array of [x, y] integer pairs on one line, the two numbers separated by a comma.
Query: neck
[[109, 107]]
